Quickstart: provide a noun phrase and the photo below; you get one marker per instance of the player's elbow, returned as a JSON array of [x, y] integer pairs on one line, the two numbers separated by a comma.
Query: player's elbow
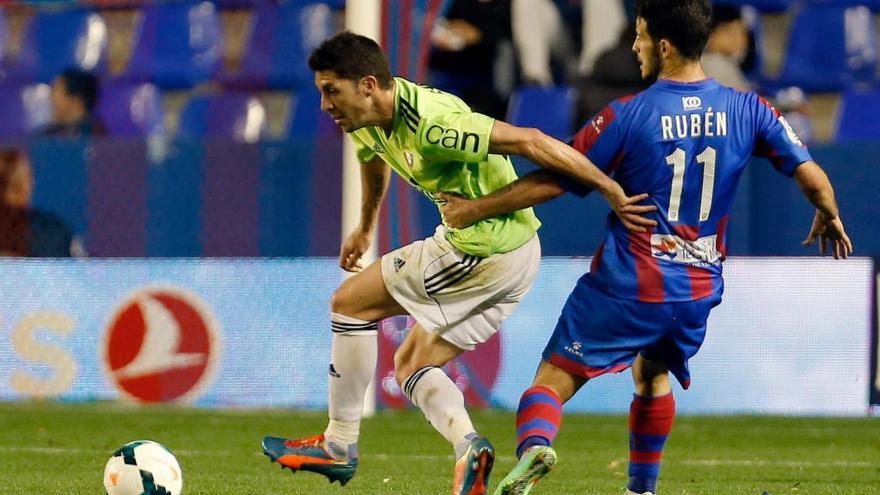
[[812, 180], [527, 143]]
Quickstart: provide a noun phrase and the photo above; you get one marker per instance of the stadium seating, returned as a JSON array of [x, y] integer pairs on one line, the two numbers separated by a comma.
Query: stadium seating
[[238, 117], [857, 118], [306, 118], [131, 110], [753, 21], [830, 47], [279, 45], [769, 6], [25, 108], [54, 41], [548, 109], [178, 45], [4, 40]]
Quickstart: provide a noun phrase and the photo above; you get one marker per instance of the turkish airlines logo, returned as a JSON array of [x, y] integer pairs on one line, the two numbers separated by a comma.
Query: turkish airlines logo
[[162, 344]]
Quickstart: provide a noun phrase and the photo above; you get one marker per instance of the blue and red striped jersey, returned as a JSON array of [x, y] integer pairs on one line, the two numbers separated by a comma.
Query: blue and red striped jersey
[[686, 144]]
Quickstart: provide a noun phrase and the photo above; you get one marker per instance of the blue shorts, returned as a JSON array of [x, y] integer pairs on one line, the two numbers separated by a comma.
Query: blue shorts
[[598, 333]]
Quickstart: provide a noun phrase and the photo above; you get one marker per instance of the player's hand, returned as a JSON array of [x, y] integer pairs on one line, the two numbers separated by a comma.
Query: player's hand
[[353, 248], [631, 213], [458, 212], [830, 234]]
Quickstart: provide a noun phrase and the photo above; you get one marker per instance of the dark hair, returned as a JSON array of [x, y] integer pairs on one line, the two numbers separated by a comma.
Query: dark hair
[[81, 84], [352, 56], [722, 13], [684, 23]]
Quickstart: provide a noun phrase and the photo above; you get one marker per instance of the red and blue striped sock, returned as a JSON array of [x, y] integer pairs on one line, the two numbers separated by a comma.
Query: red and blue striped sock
[[650, 420], [537, 418]]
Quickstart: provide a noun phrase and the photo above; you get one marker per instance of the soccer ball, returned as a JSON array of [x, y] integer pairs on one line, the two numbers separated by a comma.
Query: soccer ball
[[143, 467]]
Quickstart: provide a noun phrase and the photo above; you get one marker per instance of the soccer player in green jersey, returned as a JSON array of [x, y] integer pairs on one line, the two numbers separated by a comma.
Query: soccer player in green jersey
[[459, 284]]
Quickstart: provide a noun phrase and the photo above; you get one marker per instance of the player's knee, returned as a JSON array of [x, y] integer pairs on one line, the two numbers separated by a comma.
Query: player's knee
[[403, 366], [652, 384], [339, 301]]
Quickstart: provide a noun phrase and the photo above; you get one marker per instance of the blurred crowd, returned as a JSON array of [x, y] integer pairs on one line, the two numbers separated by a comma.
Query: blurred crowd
[[484, 49]]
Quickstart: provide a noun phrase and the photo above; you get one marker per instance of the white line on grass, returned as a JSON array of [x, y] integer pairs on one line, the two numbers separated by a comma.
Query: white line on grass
[[692, 462]]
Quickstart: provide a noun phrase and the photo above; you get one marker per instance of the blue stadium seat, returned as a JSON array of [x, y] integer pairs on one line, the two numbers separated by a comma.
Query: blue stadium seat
[[830, 47], [548, 109], [306, 118], [871, 4], [131, 110], [769, 6], [753, 21], [54, 41], [178, 45], [857, 118], [25, 107], [279, 45], [4, 40], [236, 116]]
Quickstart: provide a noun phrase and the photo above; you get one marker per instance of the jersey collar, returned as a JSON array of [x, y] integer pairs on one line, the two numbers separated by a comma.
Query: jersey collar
[[686, 86]]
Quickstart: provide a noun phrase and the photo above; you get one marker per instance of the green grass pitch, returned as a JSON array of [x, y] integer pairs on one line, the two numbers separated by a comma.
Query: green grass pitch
[[61, 449]]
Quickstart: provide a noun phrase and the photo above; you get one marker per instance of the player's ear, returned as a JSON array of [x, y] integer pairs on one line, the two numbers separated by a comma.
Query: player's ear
[[665, 48], [369, 84]]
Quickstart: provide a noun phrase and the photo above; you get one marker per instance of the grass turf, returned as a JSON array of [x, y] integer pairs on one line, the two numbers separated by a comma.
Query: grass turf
[[52, 448]]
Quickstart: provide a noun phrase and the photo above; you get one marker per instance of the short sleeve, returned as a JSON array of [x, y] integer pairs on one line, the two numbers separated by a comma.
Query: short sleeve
[[364, 151], [600, 140], [455, 136], [777, 141]]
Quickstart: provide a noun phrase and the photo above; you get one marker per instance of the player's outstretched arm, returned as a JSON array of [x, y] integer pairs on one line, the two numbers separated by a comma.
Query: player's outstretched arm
[[561, 158], [827, 226], [375, 176], [533, 189]]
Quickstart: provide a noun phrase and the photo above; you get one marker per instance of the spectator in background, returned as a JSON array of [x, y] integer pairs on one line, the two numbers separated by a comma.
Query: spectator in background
[[727, 47], [793, 102], [546, 32], [615, 74], [471, 56], [558, 41], [25, 230], [74, 96]]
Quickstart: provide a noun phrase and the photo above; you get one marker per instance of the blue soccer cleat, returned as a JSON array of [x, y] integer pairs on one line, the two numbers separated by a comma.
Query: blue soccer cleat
[[472, 469], [309, 454]]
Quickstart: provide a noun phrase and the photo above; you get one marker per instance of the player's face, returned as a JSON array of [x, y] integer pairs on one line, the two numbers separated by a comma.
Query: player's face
[[343, 99], [646, 50]]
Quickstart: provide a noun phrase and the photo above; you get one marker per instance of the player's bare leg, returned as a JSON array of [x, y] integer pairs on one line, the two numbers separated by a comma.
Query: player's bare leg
[[356, 307], [417, 366], [650, 420], [538, 418]]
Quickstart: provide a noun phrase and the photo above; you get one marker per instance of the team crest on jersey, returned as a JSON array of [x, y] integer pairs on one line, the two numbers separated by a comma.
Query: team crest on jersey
[[691, 103], [378, 149]]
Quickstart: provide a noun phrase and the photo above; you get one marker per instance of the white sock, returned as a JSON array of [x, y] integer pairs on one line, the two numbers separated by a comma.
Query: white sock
[[443, 405], [353, 358]]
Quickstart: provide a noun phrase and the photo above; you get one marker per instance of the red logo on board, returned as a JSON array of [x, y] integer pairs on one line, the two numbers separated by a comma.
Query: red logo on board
[[162, 345]]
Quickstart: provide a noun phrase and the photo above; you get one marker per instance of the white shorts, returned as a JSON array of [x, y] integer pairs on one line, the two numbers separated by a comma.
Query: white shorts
[[462, 297]]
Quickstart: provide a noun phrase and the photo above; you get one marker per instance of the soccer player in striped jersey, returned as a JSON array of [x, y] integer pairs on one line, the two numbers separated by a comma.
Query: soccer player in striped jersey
[[459, 284], [647, 296]]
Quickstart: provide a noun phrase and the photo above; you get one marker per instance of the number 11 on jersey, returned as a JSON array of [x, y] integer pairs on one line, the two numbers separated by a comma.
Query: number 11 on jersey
[[678, 160]]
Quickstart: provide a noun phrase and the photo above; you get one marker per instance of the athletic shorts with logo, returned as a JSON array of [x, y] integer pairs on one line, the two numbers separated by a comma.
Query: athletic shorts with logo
[[463, 298], [598, 333]]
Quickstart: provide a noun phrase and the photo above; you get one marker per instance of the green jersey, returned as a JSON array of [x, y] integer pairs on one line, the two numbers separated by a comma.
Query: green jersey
[[439, 145]]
